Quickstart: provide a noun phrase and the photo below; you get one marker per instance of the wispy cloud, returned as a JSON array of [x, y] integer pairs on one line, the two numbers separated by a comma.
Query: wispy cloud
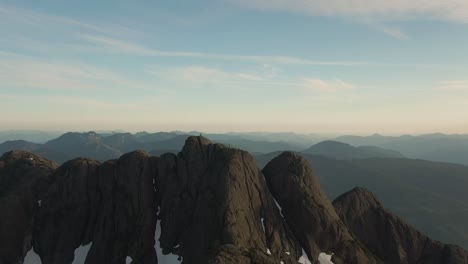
[[30, 72], [77, 36], [326, 86], [450, 10], [194, 76], [390, 30], [108, 44], [456, 85], [203, 75], [375, 14], [19, 16]]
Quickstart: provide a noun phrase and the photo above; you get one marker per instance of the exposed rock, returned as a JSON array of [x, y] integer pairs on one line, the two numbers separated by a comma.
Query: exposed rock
[[24, 178], [308, 211], [213, 196], [111, 205], [230, 254], [389, 237], [214, 204], [72, 201]]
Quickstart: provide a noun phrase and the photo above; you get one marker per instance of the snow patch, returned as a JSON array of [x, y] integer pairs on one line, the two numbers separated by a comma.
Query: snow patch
[[268, 251], [32, 258], [263, 224], [164, 259], [80, 253], [324, 258], [279, 207], [128, 260], [288, 253], [304, 259]]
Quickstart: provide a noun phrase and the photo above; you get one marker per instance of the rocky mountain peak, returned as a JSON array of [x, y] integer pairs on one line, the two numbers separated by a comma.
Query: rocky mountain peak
[[308, 212], [389, 237], [360, 199], [208, 204]]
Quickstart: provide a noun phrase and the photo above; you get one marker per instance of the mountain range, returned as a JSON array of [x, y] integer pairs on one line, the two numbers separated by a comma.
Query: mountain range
[[343, 151], [210, 203], [430, 195], [433, 147], [110, 146]]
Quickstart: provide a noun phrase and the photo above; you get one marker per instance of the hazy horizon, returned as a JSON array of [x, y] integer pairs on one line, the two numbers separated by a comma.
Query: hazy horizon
[[315, 66], [230, 132]]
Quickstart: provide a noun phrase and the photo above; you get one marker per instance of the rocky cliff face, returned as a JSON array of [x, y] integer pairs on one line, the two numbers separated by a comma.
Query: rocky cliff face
[[111, 205], [214, 202], [389, 237], [213, 206], [24, 179], [308, 211]]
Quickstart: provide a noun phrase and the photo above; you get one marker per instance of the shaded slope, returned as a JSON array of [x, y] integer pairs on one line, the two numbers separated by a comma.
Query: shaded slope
[[338, 150], [24, 179], [389, 237], [308, 211], [418, 191], [109, 204], [214, 200]]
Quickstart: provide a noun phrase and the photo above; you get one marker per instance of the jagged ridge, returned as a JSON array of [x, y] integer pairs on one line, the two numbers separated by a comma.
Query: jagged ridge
[[214, 205]]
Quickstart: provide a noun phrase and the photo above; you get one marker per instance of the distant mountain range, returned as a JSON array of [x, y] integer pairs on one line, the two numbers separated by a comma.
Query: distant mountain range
[[343, 151], [111, 146], [434, 147], [430, 195]]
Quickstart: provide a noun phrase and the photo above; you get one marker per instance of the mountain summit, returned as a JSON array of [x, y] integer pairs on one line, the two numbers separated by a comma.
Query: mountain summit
[[343, 151], [210, 203]]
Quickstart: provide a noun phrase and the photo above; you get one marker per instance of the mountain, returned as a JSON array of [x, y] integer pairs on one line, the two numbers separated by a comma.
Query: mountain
[[124, 142], [36, 148], [389, 237], [34, 136], [24, 180], [112, 145], [207, 204], [308, 211], [434, 147], [19, 144], [154, 137], [429, 195], [338, 150], [88, 144]]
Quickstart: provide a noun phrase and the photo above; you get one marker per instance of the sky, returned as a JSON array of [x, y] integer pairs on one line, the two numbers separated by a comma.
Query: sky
[[307, 66]]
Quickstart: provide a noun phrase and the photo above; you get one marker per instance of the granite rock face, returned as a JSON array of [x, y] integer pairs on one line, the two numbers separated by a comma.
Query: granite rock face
[[389, 237], [24, 179], [111, 205], [213, 196], [213, 206], [309, 212]]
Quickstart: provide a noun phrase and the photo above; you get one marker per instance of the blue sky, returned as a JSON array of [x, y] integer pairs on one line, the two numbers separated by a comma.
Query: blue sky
[[309, 66]]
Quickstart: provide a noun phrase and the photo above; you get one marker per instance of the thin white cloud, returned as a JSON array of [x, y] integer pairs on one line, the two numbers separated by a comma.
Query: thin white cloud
[[326, 86], [456, 85], [207, 77], [20, 16], [385, 28], [203, 75], [108, 44], [78, 36], [449, 10], [30, 72], [376, 14]]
